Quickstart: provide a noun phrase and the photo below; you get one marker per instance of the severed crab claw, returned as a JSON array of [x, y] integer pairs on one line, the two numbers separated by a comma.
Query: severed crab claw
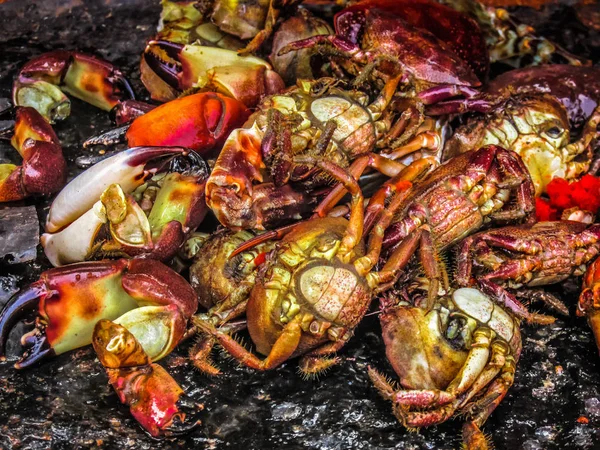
[[152, 220], [129, 169], [245, 78], [457, 358], [144, 295], [200, 122], [44, 170], [155, 399], [42, 81]]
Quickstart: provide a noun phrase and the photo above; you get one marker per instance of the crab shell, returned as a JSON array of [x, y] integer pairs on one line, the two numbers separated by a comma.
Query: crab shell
[[342, 303]]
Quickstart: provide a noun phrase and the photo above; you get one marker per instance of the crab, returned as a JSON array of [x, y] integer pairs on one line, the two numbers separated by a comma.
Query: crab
[[42, 81], [44, 170], [456, 358], [314, 288], [489, 185], [201, 122], [96, 214], [255, 184], [535, 111], [222, 283], [150, 305], [426, 58], [527, 256], [538, 129]]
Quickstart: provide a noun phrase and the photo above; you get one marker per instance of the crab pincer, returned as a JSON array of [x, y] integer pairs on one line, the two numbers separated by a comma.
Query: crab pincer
[[245, 78], [44, 170], [129, 169], [155, 399], [42, 82], [151, 300]]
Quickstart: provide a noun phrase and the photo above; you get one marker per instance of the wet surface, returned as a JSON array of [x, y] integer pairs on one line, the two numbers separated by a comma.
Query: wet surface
[[67, 403]]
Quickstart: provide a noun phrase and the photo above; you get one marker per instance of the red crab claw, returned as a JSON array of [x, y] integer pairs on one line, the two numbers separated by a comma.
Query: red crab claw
[[44, 170], [245, 78], [201, 122], [155, 399], [129, 169], [147, 297], [43, 80]]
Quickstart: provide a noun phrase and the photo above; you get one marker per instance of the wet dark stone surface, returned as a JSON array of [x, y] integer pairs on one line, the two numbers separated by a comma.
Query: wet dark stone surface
[[66, 403]]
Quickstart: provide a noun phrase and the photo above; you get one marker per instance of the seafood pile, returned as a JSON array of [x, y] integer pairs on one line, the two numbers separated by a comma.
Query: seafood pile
[[362, 162]]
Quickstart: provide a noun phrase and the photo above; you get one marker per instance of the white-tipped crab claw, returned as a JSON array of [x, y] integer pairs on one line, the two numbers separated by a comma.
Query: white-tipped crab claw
[[75, 242], [129, 169]]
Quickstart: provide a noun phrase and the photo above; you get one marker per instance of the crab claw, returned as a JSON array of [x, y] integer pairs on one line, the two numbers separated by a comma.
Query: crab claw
[[425, 363], [155, 399], [123, 227], [42, 81], [44, 170], [70, 300], [200, 122], [129, 169], [245, 78]]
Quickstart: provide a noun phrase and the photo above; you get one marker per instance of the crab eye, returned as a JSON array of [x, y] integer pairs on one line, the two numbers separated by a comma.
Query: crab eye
[[554, 132]]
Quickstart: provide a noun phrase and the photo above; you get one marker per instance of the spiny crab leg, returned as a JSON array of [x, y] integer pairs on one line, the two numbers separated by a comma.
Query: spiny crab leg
[[147, 297], [129, 169]]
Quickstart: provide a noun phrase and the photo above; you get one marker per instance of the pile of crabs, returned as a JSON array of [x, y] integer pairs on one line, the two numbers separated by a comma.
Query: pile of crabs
[[363, 162]]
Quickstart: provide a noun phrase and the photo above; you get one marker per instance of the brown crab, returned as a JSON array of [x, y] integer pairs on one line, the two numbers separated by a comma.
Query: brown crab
[[454, 201], [459, 357], [314, 289], [527, 256]]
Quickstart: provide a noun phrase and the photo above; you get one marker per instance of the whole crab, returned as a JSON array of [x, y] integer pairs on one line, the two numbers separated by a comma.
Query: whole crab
[[458, 357], [455, 200], [314, 289], [256, 183], [535, 111], [379, 39], [527, 256], [223, 283]]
